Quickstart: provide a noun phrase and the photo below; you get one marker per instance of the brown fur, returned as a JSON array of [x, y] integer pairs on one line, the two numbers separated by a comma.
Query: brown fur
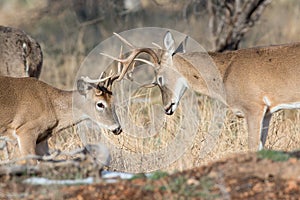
[[249, 77], [32, 110]]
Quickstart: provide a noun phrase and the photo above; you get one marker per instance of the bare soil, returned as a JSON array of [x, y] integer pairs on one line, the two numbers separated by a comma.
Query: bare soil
[[242, 176]]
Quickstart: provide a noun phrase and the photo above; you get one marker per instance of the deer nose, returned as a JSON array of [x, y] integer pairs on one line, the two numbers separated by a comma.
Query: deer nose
[[169, 110], [117, 131]]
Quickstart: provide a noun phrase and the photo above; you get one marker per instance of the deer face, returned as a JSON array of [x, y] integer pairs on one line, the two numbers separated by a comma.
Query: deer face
[[99, 105], [171, 83]]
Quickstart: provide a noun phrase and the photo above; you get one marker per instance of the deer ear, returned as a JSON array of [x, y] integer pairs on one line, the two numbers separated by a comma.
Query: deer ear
[[169, 42], [182, 46], [83, 87]]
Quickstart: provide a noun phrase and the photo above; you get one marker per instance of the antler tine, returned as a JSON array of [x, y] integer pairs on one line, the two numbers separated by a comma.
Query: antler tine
[[129, 74], [119, 68], [124, 40], [156, 45], [89, 80], [144, 61], [128, 61], [111, 73], [108, 81], [111, 57], [120, 57], [101, 75]]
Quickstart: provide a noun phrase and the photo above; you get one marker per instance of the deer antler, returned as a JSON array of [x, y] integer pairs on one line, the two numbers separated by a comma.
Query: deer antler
[[131, 58], [145, 61], [89, 80], [157, 45]]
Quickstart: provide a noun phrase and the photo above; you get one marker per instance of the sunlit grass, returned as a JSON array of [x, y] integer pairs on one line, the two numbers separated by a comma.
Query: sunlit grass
[[59, 69]]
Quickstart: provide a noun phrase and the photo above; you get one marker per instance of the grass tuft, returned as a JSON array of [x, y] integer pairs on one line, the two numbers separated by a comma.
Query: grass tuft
[[276, 156]]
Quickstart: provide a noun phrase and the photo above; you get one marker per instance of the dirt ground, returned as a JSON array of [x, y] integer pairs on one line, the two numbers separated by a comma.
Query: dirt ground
[[264, 175]]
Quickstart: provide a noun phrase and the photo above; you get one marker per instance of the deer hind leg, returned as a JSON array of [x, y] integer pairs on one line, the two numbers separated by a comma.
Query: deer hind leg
[[265, 128], [258, 123]]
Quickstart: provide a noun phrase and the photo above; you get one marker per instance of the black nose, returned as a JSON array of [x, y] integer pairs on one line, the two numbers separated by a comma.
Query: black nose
[[117, 131], [169, 110]]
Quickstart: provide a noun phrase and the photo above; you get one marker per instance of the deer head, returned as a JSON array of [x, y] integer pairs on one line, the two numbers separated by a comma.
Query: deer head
[[99, 91], [171, 83]]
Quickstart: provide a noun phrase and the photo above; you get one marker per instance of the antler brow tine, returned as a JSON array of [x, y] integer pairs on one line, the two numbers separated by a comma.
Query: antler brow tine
[[124, 40]]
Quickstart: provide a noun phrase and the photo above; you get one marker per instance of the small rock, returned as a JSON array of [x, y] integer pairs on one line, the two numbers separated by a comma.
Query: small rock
[[192, 181]]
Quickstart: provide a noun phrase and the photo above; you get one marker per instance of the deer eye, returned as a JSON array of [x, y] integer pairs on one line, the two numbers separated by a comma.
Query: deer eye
[[160, 80], [100, 105]]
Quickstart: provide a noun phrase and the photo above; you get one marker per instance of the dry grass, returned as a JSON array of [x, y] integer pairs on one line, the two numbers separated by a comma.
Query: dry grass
[[205, 147], [280, 24]]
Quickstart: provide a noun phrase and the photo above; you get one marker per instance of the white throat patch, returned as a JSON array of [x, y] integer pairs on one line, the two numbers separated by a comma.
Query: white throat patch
[[180, 88]]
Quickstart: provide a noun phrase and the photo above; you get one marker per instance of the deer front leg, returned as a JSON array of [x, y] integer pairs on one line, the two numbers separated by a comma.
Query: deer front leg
[[26, 143], [42, 148], [27, 136], [258, 123]]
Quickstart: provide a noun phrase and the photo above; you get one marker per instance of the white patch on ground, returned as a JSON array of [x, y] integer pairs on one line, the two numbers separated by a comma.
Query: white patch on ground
[[113, 175], [45, 181], [106, 176], [261, 147]]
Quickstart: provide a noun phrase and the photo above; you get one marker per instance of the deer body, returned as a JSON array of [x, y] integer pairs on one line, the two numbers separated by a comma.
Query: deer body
[[32, 110], [257, 82], [253, 82]]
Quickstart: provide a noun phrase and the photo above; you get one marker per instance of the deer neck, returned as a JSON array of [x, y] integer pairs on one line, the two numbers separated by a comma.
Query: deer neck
[[202, 73], [68, 113], [223, 61]]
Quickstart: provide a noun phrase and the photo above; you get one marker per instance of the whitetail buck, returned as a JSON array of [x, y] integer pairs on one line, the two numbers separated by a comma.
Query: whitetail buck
[[256, 81], [31, 109], [20, 55]]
